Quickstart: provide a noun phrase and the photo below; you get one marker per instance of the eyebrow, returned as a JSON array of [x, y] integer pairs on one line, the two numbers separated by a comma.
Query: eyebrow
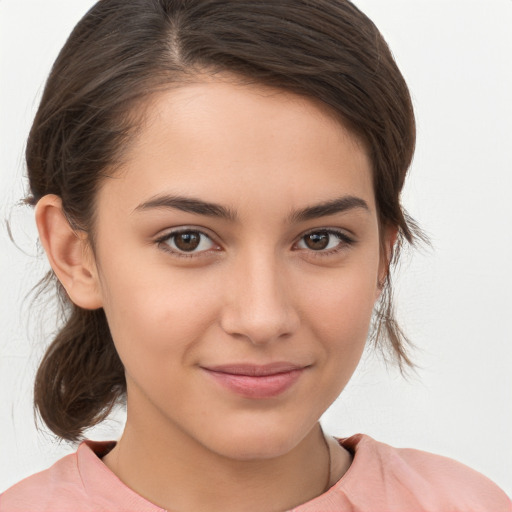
[[200, 207], [338, 205], [189, 205]]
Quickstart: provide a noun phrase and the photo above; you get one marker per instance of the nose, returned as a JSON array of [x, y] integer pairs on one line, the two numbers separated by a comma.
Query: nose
[[259, 306]]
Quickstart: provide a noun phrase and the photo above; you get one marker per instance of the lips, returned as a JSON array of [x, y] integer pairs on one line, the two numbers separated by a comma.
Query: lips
[[256, 381]]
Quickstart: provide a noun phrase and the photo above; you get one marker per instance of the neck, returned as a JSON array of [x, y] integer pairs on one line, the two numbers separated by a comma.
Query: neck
[[176, 473]]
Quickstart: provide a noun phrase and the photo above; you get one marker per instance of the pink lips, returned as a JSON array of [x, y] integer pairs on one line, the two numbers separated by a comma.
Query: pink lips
[[254, 381]]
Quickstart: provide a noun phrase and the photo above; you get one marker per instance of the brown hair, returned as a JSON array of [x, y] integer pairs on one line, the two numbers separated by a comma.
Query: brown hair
[[121, 52]]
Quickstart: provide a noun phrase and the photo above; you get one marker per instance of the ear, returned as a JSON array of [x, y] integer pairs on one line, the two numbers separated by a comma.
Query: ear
[[69, 253], [388, 241]]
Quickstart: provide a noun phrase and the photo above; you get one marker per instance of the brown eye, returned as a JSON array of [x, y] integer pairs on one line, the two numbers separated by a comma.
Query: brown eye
[[188, 242], [325, 241], [317, 241]]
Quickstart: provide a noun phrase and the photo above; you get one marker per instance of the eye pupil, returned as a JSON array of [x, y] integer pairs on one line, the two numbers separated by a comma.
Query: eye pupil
[[317, 241], [187, 241]]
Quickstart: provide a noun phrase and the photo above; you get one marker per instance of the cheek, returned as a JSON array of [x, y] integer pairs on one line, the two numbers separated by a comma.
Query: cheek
[[340, 308], [153, 315]]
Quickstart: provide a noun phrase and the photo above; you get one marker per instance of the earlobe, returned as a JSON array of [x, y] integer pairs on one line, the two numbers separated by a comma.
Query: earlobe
[[69, 253]]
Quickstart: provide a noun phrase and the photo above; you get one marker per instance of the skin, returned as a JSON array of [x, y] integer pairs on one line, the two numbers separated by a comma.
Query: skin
[[253, 292]]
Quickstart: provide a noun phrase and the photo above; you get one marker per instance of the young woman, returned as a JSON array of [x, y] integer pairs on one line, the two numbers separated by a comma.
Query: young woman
[[217, 187]]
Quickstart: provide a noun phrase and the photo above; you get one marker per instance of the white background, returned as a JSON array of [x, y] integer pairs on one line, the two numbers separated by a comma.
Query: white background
[[455, 301]]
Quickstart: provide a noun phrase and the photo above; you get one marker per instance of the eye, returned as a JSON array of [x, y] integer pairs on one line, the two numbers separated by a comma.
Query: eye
[[325, 240], [187, 241]]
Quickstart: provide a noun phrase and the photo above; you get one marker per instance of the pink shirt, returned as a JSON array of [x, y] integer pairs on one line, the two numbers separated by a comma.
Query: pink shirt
[[380, 479]]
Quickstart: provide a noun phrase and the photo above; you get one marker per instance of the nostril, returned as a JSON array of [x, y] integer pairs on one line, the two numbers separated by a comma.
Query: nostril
[[259, 325]]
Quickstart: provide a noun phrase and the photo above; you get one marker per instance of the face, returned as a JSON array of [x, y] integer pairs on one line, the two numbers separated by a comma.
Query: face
[[238, 258]]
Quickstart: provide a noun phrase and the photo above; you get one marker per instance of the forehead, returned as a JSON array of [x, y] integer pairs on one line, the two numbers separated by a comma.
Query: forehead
[[226, 141]]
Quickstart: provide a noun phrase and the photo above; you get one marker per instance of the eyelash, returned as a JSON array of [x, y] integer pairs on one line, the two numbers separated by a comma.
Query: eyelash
[[162, 243], [345, 242]]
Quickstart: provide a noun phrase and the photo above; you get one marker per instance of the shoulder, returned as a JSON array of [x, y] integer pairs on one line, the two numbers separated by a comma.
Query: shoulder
[[419, 480], [55, 486], [79, 481]]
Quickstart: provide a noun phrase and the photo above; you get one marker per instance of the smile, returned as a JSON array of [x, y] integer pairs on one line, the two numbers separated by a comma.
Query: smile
[[254, 381]]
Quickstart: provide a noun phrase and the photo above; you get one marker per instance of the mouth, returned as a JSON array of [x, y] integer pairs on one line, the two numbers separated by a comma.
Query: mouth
[[256, 381]]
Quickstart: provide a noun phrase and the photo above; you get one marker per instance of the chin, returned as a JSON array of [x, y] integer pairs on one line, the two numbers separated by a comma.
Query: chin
[[257, 440]]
